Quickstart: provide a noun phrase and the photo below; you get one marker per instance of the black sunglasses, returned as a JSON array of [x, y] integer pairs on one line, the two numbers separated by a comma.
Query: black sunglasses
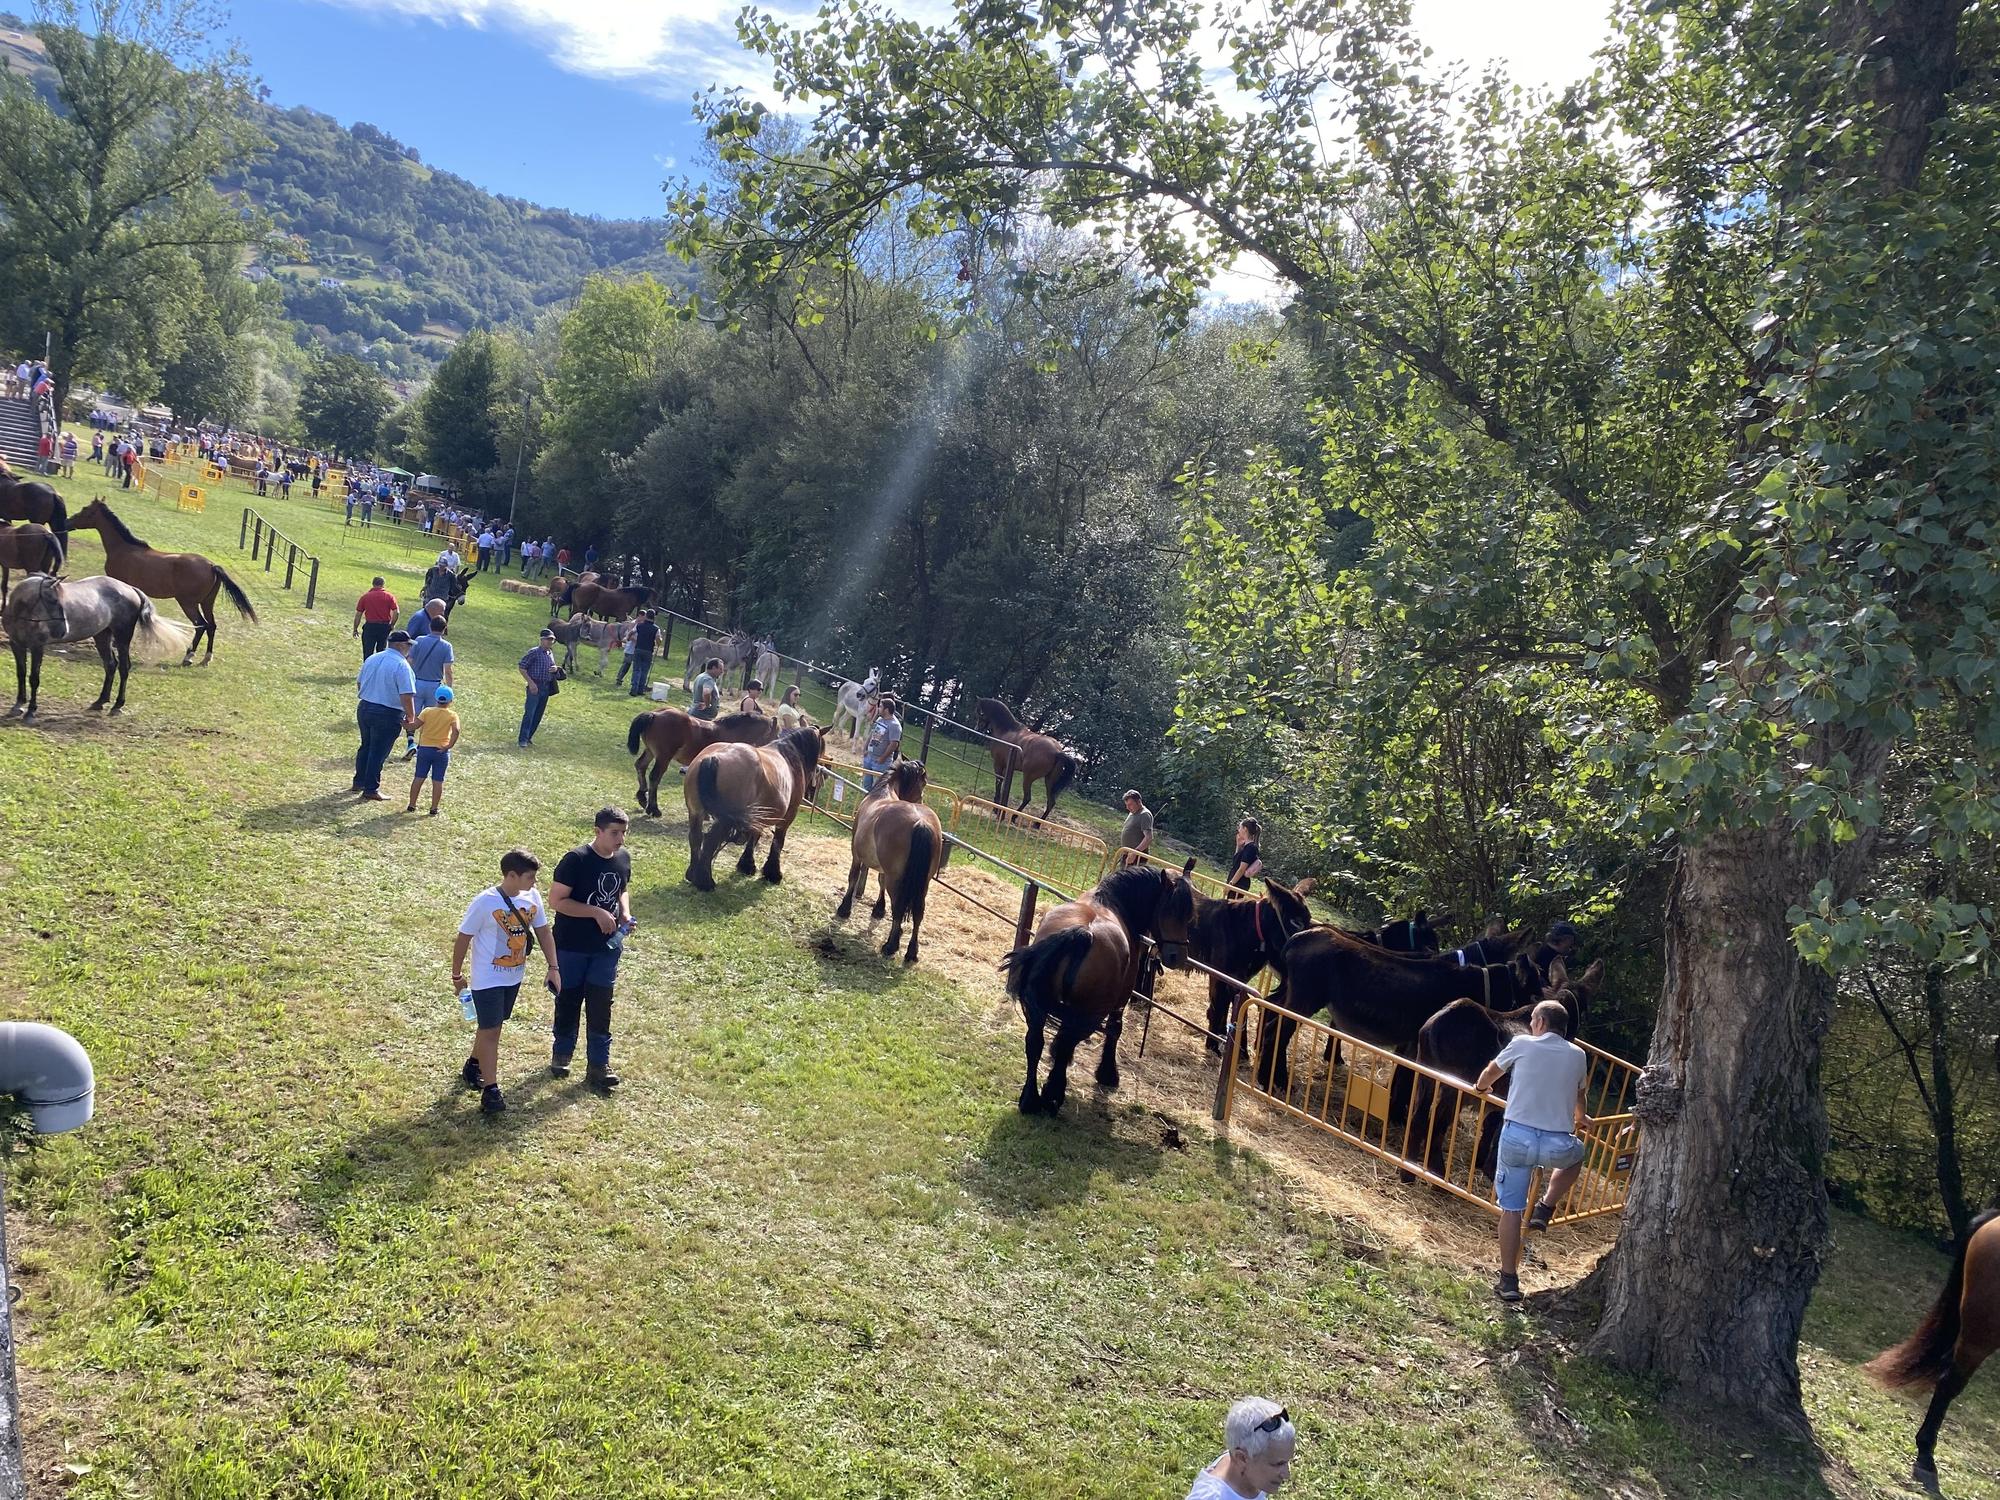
[[1272, 1424]]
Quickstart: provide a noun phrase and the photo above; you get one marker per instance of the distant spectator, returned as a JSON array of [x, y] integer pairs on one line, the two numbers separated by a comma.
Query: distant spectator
[[753, 698], [706, 698], [263, 478], [1246, 864], [538, 670], [130, 463], [1258, 1461], [1544, 1115], [69, 455], [1558, 942], [1137, 834], [590, 557], [485, 545], [97, 447], [645, 638], [625, 632], [374, 613], [420, 622], [790, 715], [529, 552]]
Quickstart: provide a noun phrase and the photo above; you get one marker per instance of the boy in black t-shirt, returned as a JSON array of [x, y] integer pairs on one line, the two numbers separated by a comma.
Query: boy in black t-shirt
[[593, 913]]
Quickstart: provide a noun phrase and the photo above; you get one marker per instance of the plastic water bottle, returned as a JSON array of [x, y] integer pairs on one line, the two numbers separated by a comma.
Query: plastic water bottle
[[466, 1006]]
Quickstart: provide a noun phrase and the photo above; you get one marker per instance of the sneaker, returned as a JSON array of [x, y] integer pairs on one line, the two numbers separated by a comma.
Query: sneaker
[[601, 1078], [411, 808], [434, 811], [471, 1074], [559, 1065], [410, 751], [1539, 1219], [1508, 1288], [490, 1100]]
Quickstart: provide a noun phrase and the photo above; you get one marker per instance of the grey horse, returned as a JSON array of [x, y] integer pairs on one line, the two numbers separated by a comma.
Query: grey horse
[[43, 611]]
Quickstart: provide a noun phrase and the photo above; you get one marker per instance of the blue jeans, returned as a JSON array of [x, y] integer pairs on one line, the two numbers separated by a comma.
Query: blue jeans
[[642, 665], [587, 979], [378, 727], [1523, 1148], [531, 715]]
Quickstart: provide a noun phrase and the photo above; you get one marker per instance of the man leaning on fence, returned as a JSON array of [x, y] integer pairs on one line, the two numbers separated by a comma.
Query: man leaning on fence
[[1544, 1113]]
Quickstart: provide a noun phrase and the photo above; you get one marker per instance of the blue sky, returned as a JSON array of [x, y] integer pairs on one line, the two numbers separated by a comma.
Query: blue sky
[[585, 104]]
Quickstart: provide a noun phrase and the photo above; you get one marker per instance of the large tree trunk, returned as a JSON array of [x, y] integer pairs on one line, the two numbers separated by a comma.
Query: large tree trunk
[[1726, 1222]]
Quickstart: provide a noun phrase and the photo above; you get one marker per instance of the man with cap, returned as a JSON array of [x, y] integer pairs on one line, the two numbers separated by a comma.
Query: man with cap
[[1137, 834], [538, 670], [387, 701], [645, 637]]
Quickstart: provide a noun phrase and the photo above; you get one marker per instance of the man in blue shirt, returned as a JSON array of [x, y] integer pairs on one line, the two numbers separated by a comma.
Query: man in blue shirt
[[387, 694], [885, 744], [424, 621]]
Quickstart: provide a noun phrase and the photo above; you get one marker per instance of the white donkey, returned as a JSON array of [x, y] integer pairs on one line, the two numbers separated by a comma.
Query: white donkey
[[851, 702], [768, 667]]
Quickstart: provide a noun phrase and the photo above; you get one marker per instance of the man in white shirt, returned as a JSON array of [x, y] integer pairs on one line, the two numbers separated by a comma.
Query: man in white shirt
[[1544, 1113], [1261, 1443], [449, 558]]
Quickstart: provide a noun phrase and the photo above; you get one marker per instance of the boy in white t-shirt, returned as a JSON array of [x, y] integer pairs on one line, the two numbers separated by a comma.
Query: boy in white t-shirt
[[1261, 1442], [496, 933]]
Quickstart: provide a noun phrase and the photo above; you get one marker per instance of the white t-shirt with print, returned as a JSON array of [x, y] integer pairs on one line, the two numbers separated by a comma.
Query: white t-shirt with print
[[499, 944], [1208, 1485]]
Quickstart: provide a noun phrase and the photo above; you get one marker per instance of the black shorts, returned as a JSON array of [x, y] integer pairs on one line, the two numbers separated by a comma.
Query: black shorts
[[495, 1005]]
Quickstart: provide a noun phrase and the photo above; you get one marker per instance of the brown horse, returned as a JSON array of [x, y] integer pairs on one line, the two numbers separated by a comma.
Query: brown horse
[[1036, 756], [748, 790], [896, 834], [185, 577], [1954, 1339], [31, 500], [605, 601], [671, 735], [560, 587], [34, 549], [1082, 966]]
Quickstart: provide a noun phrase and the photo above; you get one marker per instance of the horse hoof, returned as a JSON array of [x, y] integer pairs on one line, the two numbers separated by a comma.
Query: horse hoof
[[1030, 1102], [700, 882], [1927, 1476], [889, 948], [911, 956], [1109, 1085], [118, 710], [772, 875]]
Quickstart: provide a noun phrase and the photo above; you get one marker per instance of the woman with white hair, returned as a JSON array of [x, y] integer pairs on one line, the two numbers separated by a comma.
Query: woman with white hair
[[1261, 1438]]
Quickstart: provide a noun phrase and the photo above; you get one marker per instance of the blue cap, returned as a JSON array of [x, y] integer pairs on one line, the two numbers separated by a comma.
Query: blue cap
[[444, 695]]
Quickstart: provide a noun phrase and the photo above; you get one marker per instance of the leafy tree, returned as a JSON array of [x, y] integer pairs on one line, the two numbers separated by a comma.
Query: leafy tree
[[341, 405], [1734, 463], [105, 181], [456, 411]]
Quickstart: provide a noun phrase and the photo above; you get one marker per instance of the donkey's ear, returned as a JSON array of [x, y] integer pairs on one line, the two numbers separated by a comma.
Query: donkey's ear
[[1305, 887], [1188, 868], [1421, 918], [1558, 973], [1594, 975]]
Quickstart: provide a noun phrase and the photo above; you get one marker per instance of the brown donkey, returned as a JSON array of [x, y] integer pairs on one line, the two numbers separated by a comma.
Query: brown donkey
[[188, 578], [895, 833]]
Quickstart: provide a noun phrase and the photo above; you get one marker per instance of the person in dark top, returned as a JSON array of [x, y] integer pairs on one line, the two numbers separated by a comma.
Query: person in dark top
[[1246, 863], [591, 898], [645, 639], [1558, 942]]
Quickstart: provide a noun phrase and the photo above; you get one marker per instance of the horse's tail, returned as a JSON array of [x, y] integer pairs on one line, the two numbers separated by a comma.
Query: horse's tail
[[155, 632], [1047, 966], [736, 822], [917, 866], [1064, 774], [58, 554], [236, 595], [58, 513], [637, 733], [1922, 1357]]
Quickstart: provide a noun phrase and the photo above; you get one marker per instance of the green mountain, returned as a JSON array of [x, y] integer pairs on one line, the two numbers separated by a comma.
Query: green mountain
[[388, 258]]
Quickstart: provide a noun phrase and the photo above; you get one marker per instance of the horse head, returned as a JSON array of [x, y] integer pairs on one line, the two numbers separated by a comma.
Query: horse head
[[1173, 916], [909, 779]]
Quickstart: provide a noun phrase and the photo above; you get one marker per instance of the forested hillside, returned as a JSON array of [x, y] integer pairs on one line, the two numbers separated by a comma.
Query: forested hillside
[[385, 256]]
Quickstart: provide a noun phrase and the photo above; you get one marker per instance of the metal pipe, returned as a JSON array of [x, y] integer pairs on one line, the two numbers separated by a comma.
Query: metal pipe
[[48, 1071]]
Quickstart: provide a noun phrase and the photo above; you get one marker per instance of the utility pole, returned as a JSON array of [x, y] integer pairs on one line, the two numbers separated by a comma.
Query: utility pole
[[527, 399]]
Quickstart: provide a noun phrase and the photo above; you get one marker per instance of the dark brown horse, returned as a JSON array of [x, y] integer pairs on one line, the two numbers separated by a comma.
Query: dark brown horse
[[559, 590], [604, 601], [897, 835], [748, 791], [1381, 997], [1238, 938], [33, 549], [1082, 966], [670, 735], [1036, 756], [188, 578], [31, 500], [1955, 1338], [1463, 1038]]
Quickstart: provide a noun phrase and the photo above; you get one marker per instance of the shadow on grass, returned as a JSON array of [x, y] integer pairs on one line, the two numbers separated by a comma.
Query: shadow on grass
[[1032, 1163], [376, 819], [1614, 1427], [402, 1160]]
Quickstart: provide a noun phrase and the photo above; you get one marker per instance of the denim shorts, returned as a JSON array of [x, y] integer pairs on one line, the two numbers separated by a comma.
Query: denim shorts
[[495, 1005], [1524, 1148], [431, 762]]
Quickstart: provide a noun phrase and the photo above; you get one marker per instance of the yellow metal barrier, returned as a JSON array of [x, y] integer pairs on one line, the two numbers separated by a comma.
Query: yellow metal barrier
[[840, 792], [193, 498], [1438, 1139], [213, 473], [1051, 852]]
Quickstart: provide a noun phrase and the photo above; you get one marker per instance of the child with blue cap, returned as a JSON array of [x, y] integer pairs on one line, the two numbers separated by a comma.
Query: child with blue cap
[[437, 732]]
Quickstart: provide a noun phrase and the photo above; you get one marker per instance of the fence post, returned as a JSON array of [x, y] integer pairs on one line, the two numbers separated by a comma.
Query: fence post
[[1024, 925], [1006, 797], [1226, 1080], [291, 559], [257, 539], [271, 549], [312, 582], [243, 531], [924, 754]]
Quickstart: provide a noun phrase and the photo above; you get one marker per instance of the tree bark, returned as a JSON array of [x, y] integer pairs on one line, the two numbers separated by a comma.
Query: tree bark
[[1944, 1105], [1726, 1220]]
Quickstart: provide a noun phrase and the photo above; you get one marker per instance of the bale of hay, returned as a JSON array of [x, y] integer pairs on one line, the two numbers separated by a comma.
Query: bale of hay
[[515, 586]]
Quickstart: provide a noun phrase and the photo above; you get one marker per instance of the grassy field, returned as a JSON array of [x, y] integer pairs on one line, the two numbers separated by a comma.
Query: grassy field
[[809, 1250]]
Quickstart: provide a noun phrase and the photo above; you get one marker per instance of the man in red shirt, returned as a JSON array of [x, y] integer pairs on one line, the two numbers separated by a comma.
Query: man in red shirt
[[374, 613], [562, 561]]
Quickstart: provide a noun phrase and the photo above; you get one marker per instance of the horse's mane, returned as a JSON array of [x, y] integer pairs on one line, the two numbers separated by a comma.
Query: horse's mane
[[908, 774], [802, 745], [124, 532], [999, 713], [635, 593], [737, 722], [1135, 893]]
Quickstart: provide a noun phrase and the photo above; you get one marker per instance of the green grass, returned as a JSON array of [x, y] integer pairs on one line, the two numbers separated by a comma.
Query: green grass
[[810, 1250]]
